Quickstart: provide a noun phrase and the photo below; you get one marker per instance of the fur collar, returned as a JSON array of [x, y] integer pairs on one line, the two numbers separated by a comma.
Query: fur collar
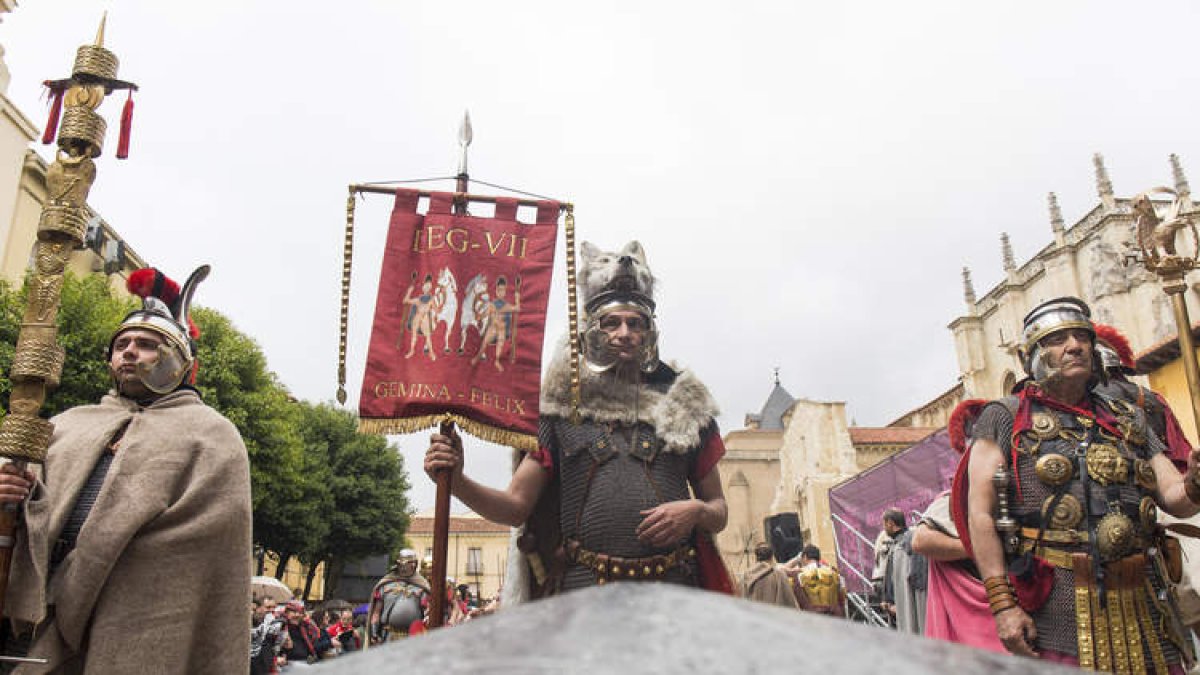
[[678, 414]]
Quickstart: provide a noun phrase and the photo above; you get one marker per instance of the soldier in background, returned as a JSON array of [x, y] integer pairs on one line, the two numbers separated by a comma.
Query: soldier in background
[[766, 582], [398, 601], [818, 586]]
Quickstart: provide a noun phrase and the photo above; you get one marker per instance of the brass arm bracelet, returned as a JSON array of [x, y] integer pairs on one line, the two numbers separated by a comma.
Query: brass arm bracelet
[[1001, 596], [997, 583], [996, 611]]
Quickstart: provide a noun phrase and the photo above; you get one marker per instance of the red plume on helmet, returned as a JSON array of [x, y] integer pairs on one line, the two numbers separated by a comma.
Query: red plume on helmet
[[150, 282], [961, 419], [1119, 344]]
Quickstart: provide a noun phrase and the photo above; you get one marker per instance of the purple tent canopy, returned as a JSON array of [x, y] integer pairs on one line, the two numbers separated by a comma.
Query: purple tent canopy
[[908, 480]]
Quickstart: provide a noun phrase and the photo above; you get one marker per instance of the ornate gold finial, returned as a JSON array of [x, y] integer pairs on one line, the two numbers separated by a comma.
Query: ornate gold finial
[[1103, 185], [1182, 189], [1056, 217], [93, 77], [1162, 250], [100, 31], [1010, 262], [968, 288]]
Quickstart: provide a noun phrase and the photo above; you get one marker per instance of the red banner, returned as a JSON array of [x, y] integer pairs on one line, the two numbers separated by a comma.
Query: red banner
[[459, 321]]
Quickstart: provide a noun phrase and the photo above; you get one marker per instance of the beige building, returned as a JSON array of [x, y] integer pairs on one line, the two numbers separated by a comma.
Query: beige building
[[477, 554], [786, 459]]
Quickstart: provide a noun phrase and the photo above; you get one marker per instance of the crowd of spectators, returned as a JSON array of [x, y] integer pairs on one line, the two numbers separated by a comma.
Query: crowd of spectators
[[290, 637], [287, 636]]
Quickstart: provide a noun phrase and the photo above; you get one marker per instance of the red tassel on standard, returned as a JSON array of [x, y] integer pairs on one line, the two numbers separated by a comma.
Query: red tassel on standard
[[56, 104], [126, 127]]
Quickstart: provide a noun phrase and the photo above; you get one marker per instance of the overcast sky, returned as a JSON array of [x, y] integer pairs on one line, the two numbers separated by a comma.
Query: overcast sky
[[808, 179]]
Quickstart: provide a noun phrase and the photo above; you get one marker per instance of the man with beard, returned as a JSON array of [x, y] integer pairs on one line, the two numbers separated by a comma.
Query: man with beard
[[1065, 543], [398, 601], [631, 491], [303, 641], [141, 511], [766, 582]]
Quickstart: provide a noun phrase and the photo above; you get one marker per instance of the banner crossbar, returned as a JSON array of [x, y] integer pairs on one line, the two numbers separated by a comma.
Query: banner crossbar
[[458, 196]]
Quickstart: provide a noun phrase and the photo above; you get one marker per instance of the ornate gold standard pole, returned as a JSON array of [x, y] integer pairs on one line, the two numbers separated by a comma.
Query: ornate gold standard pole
[[1157, 250], [38, 360]]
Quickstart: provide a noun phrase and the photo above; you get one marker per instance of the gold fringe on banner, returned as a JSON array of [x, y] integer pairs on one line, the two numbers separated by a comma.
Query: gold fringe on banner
[[486, 432]]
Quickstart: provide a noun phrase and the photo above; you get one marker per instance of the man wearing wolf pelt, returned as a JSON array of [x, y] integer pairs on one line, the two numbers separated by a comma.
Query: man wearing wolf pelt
[[631, 491]]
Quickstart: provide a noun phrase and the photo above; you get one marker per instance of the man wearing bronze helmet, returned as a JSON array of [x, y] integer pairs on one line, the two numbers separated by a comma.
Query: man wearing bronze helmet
[[631, 491], [1059, 494], [135, 550], [398, 601]]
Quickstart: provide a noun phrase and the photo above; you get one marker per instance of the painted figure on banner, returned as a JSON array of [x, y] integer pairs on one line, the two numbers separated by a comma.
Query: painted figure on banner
[[434, 306], [500, 319], [417, 319], [630, 491], [474, 314]]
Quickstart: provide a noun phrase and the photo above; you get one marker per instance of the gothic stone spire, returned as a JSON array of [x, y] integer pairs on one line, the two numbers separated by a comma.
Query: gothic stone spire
[[968, 288], [1056, 217], [1103, 185]]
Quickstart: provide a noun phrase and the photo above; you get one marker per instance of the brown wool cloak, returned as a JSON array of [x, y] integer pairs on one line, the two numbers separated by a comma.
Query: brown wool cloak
[[159, 581], [767, 583]]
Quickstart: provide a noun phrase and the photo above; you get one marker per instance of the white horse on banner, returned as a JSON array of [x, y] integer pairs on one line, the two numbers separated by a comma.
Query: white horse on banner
[[473, 314], [445, 308]]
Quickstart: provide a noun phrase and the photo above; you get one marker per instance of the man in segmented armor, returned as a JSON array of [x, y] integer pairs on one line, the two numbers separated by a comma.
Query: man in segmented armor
[[818, 586], [630, 490], [1059, 494], [398, 601]]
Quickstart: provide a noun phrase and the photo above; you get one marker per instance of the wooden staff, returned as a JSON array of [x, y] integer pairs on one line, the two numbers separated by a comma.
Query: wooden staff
[[441, 503], [38, 359]]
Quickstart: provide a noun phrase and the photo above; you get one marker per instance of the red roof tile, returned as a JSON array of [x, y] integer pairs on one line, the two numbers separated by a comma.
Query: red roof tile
[[888, 435], [458, 524]]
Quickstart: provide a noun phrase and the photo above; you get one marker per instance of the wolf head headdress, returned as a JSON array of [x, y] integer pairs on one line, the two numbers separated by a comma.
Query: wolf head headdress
[[612, 282]]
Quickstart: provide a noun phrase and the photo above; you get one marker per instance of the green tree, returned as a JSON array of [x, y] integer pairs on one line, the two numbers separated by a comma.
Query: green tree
[[290, 501], [368, 485], [87, 317]]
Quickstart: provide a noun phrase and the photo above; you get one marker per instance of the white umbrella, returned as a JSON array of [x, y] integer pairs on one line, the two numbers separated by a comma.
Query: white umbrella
[[270, 587]]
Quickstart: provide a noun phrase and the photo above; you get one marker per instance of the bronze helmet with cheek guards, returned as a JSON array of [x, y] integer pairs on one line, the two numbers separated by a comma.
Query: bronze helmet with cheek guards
[[1048, 318], [164, 311]]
